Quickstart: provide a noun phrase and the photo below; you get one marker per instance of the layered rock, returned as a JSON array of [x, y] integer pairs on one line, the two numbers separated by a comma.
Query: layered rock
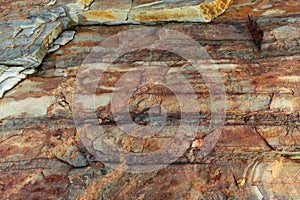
[[44, 155], [29, 37]]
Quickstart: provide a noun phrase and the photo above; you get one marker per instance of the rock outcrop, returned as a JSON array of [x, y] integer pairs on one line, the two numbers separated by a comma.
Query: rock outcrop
[[29, 37], [255, 51]]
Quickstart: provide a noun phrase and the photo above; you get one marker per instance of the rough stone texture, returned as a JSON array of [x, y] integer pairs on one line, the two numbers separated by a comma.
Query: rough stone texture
[[28, 36], [43, 155]]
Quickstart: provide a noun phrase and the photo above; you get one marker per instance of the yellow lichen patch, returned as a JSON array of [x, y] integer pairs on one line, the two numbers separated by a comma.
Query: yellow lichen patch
[[210, 10], [204, 12], [186, 13], [99, 14]]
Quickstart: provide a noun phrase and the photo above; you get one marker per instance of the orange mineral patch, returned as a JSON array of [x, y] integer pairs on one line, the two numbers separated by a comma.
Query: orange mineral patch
[[167, 14], [204, 12], [213, 9], [99, 14]]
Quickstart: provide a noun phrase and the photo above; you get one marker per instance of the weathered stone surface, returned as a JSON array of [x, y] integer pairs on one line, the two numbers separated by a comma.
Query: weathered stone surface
[[27, 40], [44, 156], [29, 37]]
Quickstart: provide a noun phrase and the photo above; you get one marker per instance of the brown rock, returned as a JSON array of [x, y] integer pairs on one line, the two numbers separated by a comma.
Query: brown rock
[[252, 154]]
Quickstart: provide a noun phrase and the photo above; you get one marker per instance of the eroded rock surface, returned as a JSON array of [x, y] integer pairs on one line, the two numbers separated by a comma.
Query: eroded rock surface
[[28, 36], [45, 156]]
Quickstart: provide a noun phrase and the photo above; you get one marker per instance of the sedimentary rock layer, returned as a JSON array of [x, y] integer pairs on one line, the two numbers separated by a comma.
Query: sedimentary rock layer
[[28, 36], [45, 156]]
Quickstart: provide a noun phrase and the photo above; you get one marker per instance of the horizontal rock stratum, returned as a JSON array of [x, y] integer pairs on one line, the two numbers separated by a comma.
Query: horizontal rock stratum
[[28, 37], [45, 155]]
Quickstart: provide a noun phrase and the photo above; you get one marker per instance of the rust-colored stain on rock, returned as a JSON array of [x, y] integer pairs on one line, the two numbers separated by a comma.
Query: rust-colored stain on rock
[[99, 14], [213, 9], [44, 156]]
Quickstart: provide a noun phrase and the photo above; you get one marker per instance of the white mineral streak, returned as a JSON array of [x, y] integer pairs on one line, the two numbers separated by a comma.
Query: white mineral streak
[[290, 78], [12, 76], [259, 195], [51, 3], [33, 107], [8, 83], [11, 72]]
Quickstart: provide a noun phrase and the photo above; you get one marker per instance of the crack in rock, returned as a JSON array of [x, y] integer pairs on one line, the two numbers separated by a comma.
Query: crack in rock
[[26, 42]]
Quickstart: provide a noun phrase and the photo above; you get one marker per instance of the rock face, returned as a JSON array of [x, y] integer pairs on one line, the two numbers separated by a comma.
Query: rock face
[[228, 129], [29, 37]]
